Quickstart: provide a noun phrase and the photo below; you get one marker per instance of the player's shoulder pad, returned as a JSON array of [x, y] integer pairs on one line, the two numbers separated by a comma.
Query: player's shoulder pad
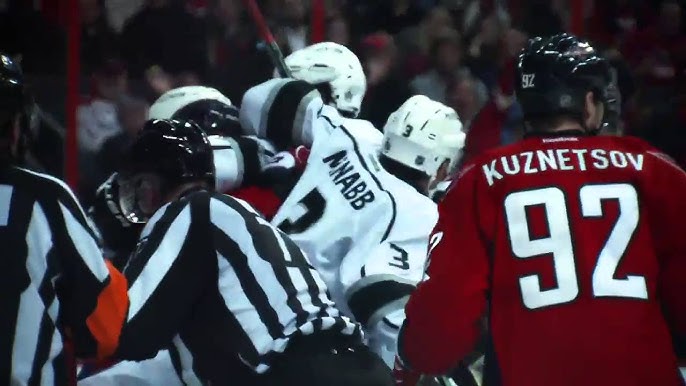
[[270, 110]]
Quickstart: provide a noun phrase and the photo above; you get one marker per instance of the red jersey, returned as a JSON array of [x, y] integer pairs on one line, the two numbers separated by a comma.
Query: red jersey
[[575, 247], [264, 199]]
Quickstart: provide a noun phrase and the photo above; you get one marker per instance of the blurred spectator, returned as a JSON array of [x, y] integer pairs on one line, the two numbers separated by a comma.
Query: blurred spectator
[[97, 121], [541, 19], [119, 11], [485, 49], [474, 12], [338, 31], [98, 39], [97, 118], [163, 34], [391, 16], [292, 24], [237, 61], [446, 62], [463, 95], [386, 89], [415, 41], [658, 51], [613, 20], [131, 113]]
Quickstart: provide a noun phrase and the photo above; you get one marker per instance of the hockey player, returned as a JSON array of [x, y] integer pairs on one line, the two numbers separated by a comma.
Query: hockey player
[[566, 241], [364, 229]]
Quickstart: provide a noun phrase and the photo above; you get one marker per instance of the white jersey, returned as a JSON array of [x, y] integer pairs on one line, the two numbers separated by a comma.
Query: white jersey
[[364, 230]]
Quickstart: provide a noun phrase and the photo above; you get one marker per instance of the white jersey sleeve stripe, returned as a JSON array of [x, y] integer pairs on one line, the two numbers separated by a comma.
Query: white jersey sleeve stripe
[[159, 263]]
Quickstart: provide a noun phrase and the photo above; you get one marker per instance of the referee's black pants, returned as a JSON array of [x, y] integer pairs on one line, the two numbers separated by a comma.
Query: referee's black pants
[[328, 361]]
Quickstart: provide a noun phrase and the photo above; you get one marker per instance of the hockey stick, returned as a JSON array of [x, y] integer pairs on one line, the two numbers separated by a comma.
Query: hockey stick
[[272, 47]]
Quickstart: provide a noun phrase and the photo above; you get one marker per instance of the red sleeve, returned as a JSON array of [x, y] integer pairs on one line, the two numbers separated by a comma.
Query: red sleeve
[[667, 211], [443, 315], [264, 200]]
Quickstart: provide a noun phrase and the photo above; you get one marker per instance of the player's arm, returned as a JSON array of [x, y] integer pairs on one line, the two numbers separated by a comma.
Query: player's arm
[[239, 161], [443, 315], [167, 274], [667, 211], [377, 287], [284, 111], [92, 292]]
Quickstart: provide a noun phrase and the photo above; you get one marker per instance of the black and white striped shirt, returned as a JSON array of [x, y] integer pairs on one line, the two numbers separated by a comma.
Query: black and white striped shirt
[[233, 288], [53, 278]]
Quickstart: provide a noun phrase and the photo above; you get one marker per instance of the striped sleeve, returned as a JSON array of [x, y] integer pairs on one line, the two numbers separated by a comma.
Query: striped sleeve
[[92, 293], [166, 274], [283, 111], [268, 285]]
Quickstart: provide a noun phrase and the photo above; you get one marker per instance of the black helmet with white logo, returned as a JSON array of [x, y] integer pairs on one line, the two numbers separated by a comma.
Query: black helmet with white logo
[[554, 75]]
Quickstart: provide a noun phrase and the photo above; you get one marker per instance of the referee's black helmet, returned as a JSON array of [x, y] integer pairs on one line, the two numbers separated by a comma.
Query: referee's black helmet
[[176, 152]]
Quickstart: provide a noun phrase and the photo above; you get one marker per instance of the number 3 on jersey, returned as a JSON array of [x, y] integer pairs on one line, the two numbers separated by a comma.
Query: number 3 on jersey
[[559, 243]]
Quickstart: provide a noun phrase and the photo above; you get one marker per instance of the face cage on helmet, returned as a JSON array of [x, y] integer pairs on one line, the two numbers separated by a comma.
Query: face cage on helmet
[[137, 195]]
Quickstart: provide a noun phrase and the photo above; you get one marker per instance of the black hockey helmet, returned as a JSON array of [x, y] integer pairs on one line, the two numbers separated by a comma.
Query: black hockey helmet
[[14, 99], [177, 152], [206, 106], [555, 73]]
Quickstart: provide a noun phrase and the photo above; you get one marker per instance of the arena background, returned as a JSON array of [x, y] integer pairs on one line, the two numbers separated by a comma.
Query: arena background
[[96, 65]]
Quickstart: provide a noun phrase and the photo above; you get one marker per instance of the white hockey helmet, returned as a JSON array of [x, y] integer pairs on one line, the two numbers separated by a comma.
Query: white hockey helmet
[[206, 106], [422, 134], [335, 64]]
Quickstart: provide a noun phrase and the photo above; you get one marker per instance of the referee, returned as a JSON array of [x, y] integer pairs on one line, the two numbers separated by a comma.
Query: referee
[[54, 282], [236, 297]]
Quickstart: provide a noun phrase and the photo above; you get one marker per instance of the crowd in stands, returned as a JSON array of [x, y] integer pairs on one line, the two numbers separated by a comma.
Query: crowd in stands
[[459, 52]]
